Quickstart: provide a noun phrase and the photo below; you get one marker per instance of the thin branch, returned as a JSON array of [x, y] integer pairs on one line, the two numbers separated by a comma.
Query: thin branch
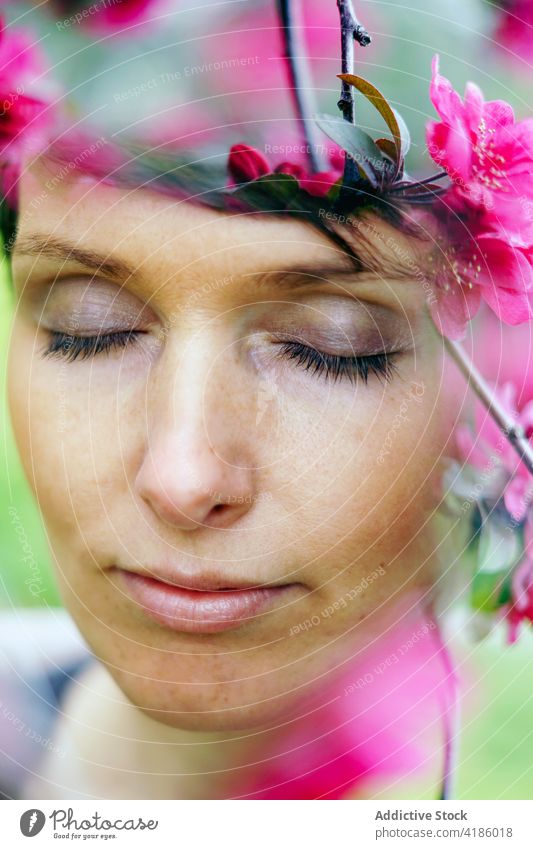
[[450, 713], [425, 198], [351, 30], [513, 432], [300, 80], [406, 184]]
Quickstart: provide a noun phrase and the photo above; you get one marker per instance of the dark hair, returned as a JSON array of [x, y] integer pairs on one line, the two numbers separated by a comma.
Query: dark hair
[[203, 180]]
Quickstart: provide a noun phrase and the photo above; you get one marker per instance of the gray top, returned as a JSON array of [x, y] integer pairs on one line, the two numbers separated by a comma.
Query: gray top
[[41, 651]]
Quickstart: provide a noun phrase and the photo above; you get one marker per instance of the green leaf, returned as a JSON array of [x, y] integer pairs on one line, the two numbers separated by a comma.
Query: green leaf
[[358, 145], [392, 118], [335, 190], [405, 135], [499, 545], [282, 190], [499, 551], [490, 590], [389, 149]]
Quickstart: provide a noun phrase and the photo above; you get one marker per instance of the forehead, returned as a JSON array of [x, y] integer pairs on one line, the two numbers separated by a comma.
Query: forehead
[[147, 226], [150, 229]]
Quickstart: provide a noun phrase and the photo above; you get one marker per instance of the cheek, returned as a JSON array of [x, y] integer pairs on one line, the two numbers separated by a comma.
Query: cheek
[[75, 437], [361, 479], [333, 445]]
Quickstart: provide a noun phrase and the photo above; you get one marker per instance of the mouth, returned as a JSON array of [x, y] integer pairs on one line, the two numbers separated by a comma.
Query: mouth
[[202, 604]]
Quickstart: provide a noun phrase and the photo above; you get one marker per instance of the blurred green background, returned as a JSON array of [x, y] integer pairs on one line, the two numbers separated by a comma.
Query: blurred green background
[[23, 549], [496, 750]]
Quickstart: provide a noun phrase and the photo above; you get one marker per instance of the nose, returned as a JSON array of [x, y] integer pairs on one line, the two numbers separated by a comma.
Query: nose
[[189, 485], [196, 470]]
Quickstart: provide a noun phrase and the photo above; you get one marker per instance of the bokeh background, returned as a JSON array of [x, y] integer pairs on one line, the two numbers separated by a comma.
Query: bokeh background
[[212, 73]]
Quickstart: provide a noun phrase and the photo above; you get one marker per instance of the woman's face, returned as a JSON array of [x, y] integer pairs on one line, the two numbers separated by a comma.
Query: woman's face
[[188, 395]]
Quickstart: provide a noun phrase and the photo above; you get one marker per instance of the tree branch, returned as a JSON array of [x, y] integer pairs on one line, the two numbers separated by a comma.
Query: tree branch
[[300, 79], [351, 30], [513, 432]]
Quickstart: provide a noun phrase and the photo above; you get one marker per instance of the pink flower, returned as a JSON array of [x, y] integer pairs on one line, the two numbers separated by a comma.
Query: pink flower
[[503, 474], [113, 16], [246, 163], [185, 125], [486, 153], [504, 354], [317, 184], [471, 267], [487, 213], [520, 609], [514, 32], [374, 720], [25, 116]]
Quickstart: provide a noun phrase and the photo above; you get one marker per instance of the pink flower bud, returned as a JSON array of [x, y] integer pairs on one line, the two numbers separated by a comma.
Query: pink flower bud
[[245, 163]]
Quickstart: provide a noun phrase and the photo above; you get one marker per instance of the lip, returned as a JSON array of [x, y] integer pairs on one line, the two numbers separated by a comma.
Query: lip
[[201, 604]]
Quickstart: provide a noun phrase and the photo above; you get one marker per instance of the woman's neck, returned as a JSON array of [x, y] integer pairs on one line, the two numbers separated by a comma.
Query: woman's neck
[[111, 749]]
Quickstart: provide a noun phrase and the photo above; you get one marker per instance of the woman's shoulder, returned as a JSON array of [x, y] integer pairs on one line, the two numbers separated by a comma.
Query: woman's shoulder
[[41, 651]]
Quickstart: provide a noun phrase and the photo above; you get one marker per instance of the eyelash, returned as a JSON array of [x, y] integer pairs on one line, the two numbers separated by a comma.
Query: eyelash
[[334, 367], [83, 347], [331, 366]]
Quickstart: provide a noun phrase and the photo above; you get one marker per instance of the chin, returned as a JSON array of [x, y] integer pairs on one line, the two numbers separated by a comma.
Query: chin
[[209, 707], [240, 719], [220, 714]]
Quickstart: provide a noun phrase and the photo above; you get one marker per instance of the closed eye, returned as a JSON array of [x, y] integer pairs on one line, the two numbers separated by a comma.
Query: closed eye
[[84, 347], [336, 367]]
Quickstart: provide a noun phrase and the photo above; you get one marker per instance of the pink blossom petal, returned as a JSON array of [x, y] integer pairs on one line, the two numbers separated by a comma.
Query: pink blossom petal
[[510, 306], [473, 106], [443, 95], [489, 432], [514, 31], [499, 113], [114, 16], [320, 183], [515, 497], [489, 157], [377, 707], [522, 586], [471, 449], [450, 148], [505, 266], [25, 118], [526, 416], [453, 309], [291, 168]]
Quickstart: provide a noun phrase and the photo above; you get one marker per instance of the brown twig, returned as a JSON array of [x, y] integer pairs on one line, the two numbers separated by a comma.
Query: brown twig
[[351, 31], [513, 432]]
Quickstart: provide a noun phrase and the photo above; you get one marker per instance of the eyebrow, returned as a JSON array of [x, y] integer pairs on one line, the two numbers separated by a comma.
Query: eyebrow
[[118, 269], [302, 276], [302, 273], [59, 249]]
